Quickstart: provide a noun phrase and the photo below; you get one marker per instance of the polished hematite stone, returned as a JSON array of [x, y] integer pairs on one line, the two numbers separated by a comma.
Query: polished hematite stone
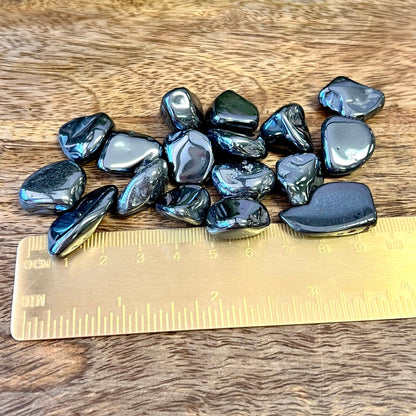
[[245, 179], [53, 189], [232, 145], [231, 111], [188, 203], [351, 99], [74, 227], [124, 151], [181, 110], [286, 130], [189, 155], [237, 218], [81, 138], [148, 184], [346, 143], [335, 209], [298, 176]]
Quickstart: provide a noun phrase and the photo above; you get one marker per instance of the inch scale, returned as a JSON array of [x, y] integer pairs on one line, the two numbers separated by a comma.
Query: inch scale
[[183, 279]]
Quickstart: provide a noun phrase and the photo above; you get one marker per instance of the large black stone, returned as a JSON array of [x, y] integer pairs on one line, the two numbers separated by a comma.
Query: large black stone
[[231, 218], [346, 143], [335, 209], [188, 203], [231, 111], [181, 110], [53, 189], [351, 99], [245, 179], [74, 227], [124, 151], [286, 130], [81, 138], [190, 157]]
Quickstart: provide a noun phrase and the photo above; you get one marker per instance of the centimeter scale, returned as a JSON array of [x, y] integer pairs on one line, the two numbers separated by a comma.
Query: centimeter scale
[[183, 279]]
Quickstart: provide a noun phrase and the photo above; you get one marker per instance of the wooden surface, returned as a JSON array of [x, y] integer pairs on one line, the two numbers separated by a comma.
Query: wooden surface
[[60, 60]]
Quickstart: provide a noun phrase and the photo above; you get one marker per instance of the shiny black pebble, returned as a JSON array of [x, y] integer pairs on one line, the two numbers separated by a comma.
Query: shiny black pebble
[[148, 184], [298, 176], [53, 189], [181, 110], [245, 179], [231, 111], [286, 130], [233, 145], [190, 156], [74, 227], [346, 143], [124, 151], [188, 203], [81, 138], [351, 99], [231, 218], [335, 209]]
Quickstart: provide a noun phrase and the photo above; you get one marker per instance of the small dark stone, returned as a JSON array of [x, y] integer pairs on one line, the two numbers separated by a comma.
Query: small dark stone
[[346, 143], [74, 227], [181, 110], [229, 144], [231, 218], [189, 155], [148, 184], [53, 189], [286, 130], [81, 138], [335, 209], [231, 111], [351, 99], [188, 203], [245, 179], [124, 151], [299, 175]]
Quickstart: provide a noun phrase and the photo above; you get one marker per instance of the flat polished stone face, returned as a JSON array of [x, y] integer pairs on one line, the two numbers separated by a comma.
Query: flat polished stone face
[[231, 218], [335, 209], [74, 227], [351, 99], [286, 130], [55, 188], [231, 111], [181, 110], [82, 137], [124, 151], [187, 203], [346, 143]]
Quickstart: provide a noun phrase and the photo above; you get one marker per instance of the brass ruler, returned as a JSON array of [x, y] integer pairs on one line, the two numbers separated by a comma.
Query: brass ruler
[[183, 279]]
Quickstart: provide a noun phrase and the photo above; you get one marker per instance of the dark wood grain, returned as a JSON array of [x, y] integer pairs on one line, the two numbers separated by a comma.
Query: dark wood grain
[[59, 60]]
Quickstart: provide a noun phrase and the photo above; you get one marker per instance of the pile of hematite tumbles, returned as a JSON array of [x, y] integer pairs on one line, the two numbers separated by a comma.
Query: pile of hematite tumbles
[[222, 146]]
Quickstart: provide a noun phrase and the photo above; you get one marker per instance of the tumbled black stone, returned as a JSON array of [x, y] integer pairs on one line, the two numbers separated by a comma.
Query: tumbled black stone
[[231, 218], [53, 189], [245, 179], [231, 111], [124, 151], [233, 145], [346, 143], [286, 130], [351, 99], [148, 184], [298, 176], [74, 227], [81, 138], [181, 110], [335, 209], [188, 203], [190, 157]]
